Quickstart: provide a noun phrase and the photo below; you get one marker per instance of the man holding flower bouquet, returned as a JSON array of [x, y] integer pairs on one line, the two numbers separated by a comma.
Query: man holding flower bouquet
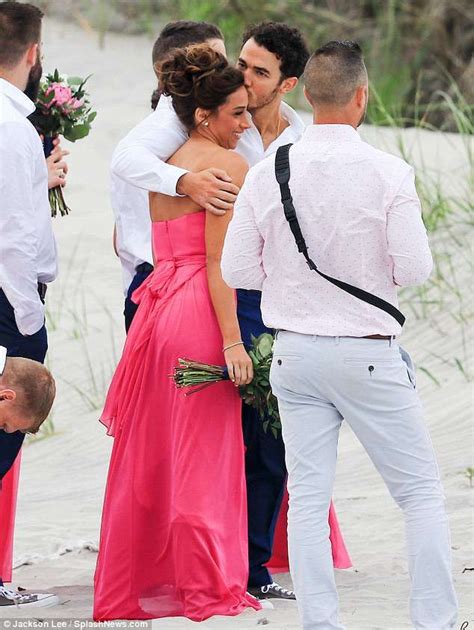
[[27, 247]]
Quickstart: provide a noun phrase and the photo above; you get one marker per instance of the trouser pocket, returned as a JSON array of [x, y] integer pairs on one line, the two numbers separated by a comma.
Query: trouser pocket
[[408, 361]]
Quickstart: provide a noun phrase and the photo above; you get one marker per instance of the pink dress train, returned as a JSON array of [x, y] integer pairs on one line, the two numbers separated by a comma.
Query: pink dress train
[[8, 495], [174, 525], [279, 561]]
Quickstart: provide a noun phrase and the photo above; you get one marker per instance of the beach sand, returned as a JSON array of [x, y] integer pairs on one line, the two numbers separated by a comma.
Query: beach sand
[[63, 475]]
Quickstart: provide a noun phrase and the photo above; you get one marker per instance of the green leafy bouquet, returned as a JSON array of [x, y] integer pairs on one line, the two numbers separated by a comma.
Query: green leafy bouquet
[[196, 376], [62, 108]]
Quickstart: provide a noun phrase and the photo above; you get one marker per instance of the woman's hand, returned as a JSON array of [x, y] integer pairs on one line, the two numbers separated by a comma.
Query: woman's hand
[[239, 365]]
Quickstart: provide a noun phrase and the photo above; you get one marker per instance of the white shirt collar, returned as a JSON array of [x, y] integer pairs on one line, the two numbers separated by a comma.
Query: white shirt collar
[[20, 101], [296, 123], [292, 117], [3, 359], [331, 133]]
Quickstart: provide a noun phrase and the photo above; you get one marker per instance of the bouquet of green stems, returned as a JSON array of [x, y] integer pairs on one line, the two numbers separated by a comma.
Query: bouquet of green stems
[[196, 376]]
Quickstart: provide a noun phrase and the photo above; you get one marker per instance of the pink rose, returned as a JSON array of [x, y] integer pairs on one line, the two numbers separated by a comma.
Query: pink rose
[[62, 94], [76, 103]]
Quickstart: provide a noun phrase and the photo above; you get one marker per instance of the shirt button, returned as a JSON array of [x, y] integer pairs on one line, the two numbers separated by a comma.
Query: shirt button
[[279, 361]]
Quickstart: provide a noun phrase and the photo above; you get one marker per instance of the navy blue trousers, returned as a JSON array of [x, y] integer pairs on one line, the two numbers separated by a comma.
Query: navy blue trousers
[[142, 273], [265, 469], [31, 347]]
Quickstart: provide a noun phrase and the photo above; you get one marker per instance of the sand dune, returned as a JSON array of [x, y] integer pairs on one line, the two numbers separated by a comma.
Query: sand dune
[[63, 476]]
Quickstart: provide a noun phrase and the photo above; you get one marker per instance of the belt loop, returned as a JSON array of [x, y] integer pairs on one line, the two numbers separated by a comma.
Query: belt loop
[[390, 342], [276, 333], [337, 340]]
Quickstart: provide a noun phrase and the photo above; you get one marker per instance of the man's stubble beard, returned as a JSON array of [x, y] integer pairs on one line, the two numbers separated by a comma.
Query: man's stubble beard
[[266, 100], [34, 79]]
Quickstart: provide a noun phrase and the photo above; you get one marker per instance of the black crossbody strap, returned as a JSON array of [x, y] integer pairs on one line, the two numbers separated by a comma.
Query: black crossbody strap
[[282, 172]]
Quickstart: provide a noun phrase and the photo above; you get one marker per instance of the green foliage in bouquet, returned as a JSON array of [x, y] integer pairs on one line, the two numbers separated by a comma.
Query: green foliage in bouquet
[[196, 376], [258, 393], [63, 107]]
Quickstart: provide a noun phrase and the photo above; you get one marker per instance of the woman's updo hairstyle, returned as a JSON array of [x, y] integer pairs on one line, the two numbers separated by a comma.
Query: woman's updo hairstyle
[[197, 76]]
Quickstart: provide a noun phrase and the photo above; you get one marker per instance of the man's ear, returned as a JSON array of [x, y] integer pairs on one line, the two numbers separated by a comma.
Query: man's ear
[[360, 96], [32, 55], [287, 85], [308, 97], [7, 394]]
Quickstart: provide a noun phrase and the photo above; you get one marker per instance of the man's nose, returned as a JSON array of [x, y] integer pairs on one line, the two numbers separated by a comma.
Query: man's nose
[[247, 81]]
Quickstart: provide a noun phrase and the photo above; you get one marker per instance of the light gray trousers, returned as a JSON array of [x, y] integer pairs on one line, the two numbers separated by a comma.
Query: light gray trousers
[[319, 381]]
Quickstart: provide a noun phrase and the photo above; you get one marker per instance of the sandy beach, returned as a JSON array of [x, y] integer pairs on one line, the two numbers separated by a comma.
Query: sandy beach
[[63, 474]]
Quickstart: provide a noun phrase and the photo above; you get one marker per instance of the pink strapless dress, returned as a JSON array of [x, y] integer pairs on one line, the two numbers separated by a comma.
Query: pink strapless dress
[[174, 525]]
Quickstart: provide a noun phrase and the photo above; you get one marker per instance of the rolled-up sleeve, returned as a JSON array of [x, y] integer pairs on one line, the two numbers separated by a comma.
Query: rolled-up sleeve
[[241, 263], [18, 238], [140, 157], [406, 236]]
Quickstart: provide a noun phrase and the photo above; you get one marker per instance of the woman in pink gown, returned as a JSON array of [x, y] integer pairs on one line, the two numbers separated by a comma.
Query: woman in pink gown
[[174, 525]]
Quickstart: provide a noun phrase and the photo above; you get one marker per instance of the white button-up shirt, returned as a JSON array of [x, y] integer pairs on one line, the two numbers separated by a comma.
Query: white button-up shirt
[[133, 227], [361, 218], [27, 245], [251, 147], [139, 160]]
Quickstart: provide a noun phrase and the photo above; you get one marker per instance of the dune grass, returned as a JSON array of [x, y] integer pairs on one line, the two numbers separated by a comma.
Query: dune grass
[[449, 219], [414, 49]]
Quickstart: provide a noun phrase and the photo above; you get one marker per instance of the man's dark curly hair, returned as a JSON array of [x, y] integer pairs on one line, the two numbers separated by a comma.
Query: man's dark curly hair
[[285, 42]]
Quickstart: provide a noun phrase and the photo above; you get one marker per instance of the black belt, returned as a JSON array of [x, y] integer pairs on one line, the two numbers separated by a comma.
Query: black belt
[[144, 268], [42, 288]]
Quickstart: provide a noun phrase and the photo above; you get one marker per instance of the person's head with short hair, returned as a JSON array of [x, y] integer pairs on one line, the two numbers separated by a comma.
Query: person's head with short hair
[[208, 94], [180, 34], [272, 58], [336, 83], [27, 392], [20, 46]]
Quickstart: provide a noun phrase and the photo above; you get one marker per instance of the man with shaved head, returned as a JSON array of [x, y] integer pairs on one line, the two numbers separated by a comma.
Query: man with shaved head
[[333, 74], [327, 230]]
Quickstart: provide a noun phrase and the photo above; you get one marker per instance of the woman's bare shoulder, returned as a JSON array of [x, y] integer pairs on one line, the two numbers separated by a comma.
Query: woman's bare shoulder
[[232, 158], [230, 161]]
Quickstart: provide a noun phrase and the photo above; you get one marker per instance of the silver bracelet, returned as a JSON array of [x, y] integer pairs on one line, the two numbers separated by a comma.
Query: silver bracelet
[[237, 343]]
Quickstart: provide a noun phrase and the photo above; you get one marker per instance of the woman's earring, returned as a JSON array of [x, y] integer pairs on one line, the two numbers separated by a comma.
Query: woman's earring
[[206, 123]]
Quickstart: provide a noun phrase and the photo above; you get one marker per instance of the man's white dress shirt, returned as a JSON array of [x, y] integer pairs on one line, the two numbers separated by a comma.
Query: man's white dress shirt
[[251, 147], [140, 157], [360, 215], [138, 165], [133, 227], [27, 245]]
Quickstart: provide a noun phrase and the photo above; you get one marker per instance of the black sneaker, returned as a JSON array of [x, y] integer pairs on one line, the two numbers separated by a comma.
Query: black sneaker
[[272, 591], [8, 597]]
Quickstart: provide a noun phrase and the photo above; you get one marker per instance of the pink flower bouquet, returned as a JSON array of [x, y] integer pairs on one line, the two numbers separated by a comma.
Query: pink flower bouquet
[[62, 108]]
